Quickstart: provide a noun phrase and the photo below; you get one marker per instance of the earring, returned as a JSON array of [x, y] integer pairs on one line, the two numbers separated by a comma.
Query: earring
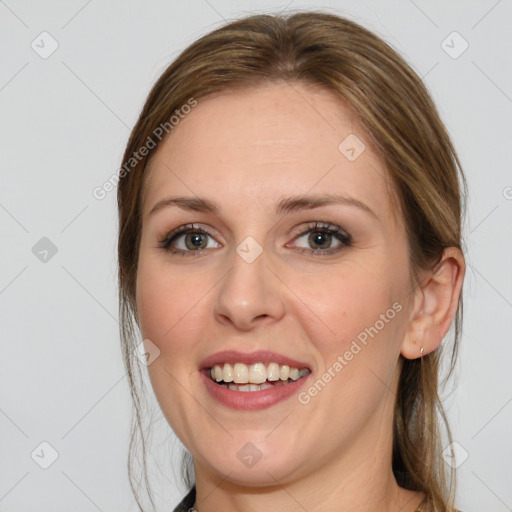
[[421, 351]]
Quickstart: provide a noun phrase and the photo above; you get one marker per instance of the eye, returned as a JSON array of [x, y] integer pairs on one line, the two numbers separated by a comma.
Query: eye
[[186, 239], [189, 239], [320, 237]]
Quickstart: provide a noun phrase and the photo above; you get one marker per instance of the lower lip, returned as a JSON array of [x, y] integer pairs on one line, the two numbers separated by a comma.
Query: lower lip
[[252, 400]]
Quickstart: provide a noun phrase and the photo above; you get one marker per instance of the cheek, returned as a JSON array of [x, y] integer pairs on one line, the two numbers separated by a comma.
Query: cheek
[[166, 302], [358, 338], [356, 301], [174, 309], [169, 315]]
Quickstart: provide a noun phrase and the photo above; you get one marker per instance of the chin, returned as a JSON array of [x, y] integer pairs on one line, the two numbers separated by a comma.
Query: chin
[[257, 464]]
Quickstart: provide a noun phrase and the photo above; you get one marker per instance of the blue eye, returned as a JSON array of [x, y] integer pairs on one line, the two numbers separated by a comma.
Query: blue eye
[[190, 240]]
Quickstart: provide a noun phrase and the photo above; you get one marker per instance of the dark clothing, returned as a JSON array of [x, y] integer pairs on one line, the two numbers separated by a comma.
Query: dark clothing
[[187, 502]]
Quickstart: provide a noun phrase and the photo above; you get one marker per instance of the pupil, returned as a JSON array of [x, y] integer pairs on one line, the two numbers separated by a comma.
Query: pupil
[[319, 238], [196, 240]]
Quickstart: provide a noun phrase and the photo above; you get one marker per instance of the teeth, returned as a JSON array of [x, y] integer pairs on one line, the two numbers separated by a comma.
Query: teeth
[[240, 373], [273, 372], [255, 375], [227, 373], [251, 387]]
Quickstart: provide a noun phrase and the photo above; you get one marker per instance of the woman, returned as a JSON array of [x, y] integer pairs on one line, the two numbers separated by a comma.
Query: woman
[[290, 249]]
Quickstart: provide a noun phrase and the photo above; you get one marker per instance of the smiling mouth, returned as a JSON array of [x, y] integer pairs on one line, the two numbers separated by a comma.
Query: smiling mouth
[[254, 377]]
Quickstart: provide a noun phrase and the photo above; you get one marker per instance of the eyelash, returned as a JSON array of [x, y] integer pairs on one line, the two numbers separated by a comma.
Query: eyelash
[[331, 229]]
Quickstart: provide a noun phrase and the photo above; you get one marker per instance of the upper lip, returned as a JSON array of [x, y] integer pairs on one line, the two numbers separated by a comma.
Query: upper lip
[[259, 356]]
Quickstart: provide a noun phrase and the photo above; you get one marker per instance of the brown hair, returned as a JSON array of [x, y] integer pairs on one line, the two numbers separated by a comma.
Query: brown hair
[[324, 50]]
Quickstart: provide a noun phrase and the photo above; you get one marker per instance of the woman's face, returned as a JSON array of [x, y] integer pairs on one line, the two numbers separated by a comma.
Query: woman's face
[[278, 266]]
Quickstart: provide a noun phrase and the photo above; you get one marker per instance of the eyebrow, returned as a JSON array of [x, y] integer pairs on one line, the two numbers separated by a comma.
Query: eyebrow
[[285, 205]]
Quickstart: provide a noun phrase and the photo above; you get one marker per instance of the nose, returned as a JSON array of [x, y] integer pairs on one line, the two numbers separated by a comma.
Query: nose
[[248, 294]]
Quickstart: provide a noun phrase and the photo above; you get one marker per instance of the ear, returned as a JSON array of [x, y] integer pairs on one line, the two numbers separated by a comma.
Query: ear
[[434, 305]]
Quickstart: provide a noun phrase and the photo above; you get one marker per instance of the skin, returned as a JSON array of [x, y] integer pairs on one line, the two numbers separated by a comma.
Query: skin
[[245, 151]]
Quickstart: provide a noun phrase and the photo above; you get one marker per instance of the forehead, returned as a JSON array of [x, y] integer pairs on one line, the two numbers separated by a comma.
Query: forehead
[[257, 144]]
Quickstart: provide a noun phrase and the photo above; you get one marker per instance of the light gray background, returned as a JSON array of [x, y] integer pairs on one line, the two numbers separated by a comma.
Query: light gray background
[[64, 122]]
